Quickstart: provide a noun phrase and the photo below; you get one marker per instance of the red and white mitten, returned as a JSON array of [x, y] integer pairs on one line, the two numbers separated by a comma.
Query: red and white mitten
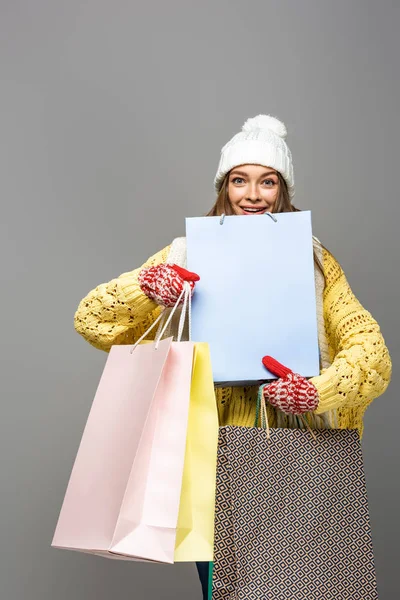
[[164, 283], [291, 393]]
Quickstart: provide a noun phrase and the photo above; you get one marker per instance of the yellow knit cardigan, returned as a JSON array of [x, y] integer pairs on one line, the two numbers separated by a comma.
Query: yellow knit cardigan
[[118, 312]]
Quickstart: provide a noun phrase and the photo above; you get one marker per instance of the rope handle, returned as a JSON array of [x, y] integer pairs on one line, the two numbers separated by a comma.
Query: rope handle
[[261, 408], [187, 307], [186, 292]]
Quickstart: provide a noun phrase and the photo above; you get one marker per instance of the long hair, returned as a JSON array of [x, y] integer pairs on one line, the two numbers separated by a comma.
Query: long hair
[[282, 204]]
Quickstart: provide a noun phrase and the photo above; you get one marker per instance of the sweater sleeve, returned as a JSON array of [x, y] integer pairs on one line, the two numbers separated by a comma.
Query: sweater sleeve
[[361, 367], [118, 312]]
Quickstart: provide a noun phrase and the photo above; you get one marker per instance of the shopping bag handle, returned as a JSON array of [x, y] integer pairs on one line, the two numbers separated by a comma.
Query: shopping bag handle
[[187, 306], [261, 408]]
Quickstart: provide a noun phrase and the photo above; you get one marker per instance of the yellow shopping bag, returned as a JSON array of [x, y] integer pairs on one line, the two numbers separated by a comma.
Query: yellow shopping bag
[[195, 531]]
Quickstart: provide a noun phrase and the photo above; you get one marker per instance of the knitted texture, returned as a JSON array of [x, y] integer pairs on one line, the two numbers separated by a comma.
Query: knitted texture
[[164, 283], [118, 312], [291, 393]]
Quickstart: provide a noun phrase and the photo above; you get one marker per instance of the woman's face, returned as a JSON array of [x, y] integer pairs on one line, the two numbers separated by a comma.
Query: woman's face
[[253, 189]]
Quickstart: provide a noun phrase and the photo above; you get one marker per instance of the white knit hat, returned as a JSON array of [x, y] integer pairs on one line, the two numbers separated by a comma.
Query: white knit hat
[[261, 142]]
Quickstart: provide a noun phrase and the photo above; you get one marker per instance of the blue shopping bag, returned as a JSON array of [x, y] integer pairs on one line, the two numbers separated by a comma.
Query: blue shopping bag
[[256, 295]]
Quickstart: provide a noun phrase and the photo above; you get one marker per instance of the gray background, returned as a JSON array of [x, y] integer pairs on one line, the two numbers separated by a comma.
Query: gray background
[[113, 115]]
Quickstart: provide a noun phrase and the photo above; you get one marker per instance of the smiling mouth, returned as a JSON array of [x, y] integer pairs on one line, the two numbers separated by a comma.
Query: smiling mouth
[[248, 210]]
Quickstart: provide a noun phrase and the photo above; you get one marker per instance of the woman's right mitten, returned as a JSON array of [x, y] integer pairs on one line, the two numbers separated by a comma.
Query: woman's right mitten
[[164, 283]]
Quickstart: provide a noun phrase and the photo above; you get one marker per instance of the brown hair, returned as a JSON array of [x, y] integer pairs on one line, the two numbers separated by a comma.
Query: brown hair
[[282, 204]]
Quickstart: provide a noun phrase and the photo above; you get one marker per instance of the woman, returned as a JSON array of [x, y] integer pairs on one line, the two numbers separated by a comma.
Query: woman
[[255, 176]]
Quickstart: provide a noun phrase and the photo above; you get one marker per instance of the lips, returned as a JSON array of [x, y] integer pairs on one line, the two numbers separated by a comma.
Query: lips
[[250, 210]]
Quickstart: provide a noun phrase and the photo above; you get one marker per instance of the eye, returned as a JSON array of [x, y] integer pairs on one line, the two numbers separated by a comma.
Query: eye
[[272, 182], [235, 178]]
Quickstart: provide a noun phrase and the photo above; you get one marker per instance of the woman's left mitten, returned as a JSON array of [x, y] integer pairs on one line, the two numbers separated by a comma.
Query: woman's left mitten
[[291, 393]]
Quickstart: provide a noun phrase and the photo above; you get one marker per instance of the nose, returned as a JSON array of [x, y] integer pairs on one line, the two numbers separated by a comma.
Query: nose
[[253, 193]]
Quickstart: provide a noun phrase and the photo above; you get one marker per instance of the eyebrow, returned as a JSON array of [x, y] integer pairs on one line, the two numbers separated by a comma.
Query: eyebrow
[[235, 172]]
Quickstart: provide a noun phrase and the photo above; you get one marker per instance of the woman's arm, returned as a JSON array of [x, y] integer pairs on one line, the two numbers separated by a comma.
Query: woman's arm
[[118, 312], [361, 367]]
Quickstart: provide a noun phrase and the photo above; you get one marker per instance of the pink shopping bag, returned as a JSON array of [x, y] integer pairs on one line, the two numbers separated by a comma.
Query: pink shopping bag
[[122, 499]]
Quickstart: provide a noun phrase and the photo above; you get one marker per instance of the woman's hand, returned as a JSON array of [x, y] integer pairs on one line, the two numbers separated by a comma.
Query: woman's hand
[[164, 283], [291, 393]]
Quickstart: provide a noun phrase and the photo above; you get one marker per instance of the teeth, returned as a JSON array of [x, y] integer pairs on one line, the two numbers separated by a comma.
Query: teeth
[[253, 209]]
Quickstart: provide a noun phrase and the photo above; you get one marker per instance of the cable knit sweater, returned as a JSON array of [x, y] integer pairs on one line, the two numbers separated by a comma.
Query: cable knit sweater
[[117, 312]]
